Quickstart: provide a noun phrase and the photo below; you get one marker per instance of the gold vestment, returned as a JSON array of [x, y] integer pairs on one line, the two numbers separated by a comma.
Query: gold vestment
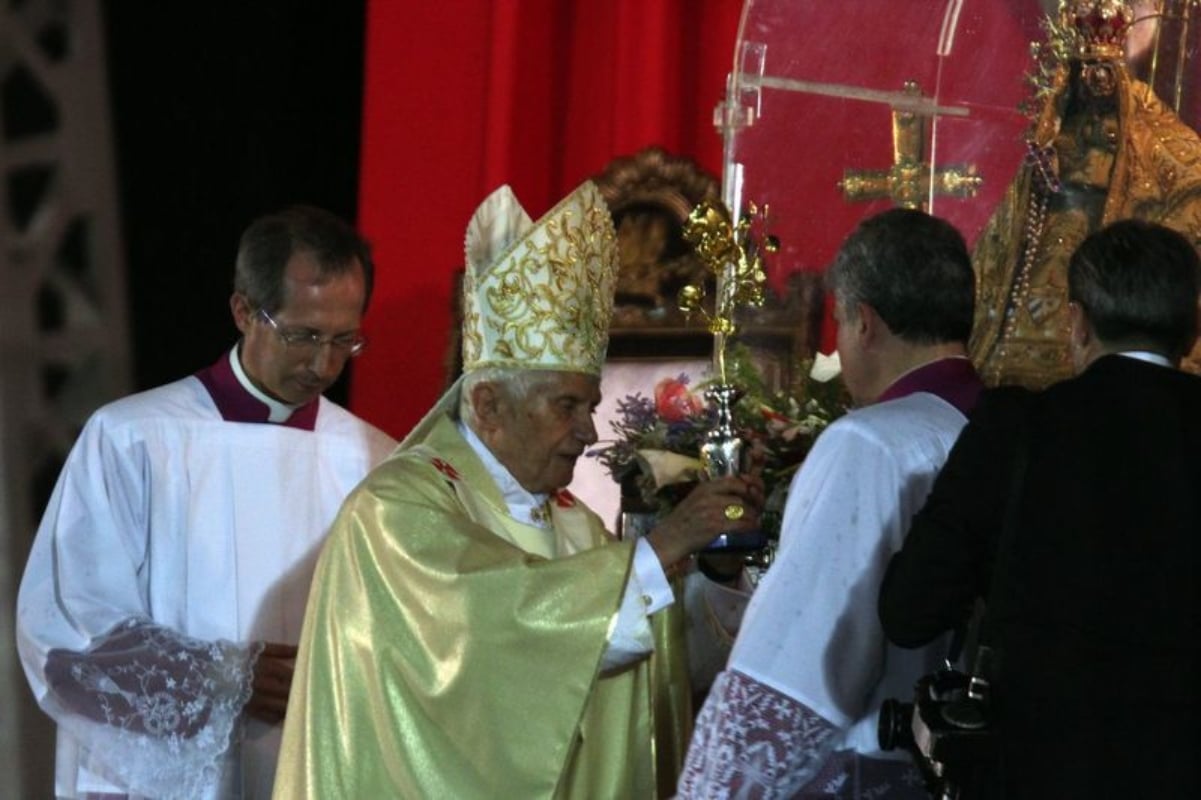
[[450, 651], [1020, 334]]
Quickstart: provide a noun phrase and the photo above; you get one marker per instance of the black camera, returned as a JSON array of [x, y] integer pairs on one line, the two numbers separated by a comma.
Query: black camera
[[946, 727]]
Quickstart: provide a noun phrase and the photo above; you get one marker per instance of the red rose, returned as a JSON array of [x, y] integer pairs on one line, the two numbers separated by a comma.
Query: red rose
[[673, 401], [773, 416]]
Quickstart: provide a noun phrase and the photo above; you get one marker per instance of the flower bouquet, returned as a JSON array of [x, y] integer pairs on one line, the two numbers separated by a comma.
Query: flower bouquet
[[655, 453]]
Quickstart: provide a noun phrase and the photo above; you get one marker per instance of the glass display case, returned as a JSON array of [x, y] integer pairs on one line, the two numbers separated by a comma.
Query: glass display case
[[836, 111]]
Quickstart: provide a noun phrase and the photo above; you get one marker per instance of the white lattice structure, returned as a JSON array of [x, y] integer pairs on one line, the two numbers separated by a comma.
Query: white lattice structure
[[63, 335]]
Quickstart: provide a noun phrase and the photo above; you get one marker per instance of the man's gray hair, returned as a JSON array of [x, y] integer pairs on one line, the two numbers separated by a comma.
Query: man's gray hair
[[516, 384], [914, 270]]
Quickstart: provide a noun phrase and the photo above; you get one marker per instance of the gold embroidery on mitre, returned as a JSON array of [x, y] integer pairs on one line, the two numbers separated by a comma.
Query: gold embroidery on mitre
[[546, 300]]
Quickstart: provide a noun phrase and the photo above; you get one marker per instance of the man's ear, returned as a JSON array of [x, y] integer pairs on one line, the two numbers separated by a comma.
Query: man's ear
[[1080, 333], [486, 402], [869, 326], [1083, 345], [243, 314]]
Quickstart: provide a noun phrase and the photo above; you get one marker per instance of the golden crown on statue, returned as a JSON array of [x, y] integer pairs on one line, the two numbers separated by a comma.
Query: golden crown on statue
[[1097, 28]]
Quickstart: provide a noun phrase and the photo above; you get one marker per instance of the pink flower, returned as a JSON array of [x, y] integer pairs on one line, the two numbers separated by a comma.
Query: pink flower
[[673, 401]]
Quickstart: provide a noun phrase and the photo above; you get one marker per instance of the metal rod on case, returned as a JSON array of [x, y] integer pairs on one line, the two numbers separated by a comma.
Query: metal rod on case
[[900, 101]]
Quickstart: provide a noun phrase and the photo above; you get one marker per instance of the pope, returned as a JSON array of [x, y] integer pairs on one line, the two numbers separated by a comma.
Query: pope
[[473, 630]]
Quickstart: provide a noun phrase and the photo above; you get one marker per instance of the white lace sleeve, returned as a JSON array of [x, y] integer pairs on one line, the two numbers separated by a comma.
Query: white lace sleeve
[[751, 741], [154, 709]]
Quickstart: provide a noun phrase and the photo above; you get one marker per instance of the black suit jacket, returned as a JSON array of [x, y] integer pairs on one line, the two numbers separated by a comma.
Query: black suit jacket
[[1097, 623]]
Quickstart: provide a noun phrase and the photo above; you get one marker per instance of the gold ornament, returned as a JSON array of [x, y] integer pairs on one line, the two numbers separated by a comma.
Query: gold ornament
[[734, 256]]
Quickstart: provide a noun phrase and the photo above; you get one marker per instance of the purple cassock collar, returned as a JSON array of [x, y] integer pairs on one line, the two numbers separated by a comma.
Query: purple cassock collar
[[953, 379], [238, 405]]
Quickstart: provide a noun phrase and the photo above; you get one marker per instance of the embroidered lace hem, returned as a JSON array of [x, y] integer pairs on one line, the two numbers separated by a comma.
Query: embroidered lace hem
[[153, 711]]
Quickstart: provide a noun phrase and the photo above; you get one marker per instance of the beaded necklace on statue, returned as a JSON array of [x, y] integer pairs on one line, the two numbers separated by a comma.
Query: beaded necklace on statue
[[1045, 182]]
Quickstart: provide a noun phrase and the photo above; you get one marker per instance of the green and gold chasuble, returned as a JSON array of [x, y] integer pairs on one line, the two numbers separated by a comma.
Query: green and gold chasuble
[[450, 651]]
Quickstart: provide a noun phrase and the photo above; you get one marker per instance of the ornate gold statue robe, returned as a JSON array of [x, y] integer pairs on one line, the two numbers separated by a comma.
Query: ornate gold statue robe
[[1020, 334], [451, 651]]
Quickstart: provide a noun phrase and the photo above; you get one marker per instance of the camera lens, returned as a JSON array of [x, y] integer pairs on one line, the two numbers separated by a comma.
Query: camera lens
[[894, 728], [965, 713]]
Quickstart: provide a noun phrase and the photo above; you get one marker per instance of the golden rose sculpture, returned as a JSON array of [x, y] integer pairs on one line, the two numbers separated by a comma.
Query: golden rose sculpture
[[733, 254]]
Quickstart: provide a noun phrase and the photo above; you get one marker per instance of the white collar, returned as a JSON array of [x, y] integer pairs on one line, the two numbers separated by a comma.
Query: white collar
[[276, 410], [1148, 356], [524, 506]]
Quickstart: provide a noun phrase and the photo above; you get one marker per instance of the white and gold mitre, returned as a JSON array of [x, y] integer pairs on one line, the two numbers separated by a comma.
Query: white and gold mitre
[[539, 295]]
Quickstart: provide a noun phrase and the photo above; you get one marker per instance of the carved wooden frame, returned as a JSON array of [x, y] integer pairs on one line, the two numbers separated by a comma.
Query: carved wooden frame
[[653, 182]]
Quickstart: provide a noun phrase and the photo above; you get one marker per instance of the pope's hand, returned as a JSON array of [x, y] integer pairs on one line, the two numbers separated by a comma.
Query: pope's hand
[[717, 506]]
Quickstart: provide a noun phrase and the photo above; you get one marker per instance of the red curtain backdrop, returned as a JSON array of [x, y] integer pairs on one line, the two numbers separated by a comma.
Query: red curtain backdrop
[[462, 96]]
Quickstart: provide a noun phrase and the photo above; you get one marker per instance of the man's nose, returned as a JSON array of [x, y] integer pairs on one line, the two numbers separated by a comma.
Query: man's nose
[[327, 361], [586, 430]]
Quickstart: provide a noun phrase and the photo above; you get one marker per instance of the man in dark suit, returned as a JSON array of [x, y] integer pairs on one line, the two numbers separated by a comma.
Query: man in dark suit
[[1096, 619]]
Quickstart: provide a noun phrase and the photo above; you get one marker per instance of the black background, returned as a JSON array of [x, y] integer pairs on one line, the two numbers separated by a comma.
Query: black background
[[222, 111]]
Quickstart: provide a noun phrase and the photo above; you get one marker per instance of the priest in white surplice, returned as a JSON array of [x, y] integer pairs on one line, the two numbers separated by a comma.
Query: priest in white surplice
[[794, 713], [162, 601]]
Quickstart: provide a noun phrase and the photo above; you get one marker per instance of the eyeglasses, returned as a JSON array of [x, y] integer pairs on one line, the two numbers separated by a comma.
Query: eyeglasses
[[349, 344]]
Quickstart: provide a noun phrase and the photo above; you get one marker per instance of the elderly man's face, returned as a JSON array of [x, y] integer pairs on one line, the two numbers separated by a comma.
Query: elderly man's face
[[540, 439]]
